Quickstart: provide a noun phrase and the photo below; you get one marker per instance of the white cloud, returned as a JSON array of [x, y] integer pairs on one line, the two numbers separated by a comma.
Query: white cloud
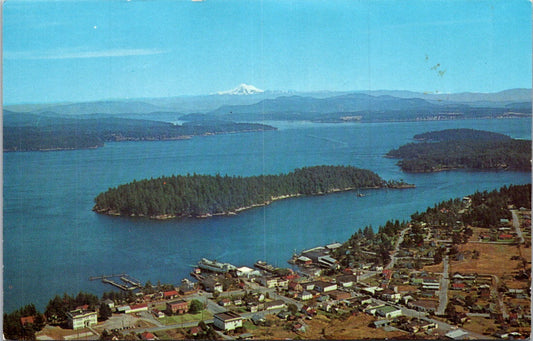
[[77, 54]]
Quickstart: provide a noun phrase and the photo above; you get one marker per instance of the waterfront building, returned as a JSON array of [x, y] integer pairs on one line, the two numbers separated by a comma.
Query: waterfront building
[[80, 318]]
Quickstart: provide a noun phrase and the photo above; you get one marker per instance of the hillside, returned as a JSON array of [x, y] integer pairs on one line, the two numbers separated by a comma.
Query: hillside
[[30, 132], [463, 148]]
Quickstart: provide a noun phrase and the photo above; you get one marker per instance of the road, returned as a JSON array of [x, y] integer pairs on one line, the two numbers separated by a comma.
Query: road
[[443, 290], [396, 249], [516, 224]]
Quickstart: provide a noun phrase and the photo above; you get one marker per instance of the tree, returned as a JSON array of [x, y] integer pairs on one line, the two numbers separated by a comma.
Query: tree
[[293, 309], [196, 306], [104, 312]]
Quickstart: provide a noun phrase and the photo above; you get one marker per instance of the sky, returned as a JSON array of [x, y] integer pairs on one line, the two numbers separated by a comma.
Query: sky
[[69, 50]]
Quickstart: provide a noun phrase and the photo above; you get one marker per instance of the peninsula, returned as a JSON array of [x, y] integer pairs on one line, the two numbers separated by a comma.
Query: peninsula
[[463, 149], [206, 195]]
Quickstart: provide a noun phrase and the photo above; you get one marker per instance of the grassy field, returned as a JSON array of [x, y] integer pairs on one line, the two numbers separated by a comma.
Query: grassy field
[[494, 259], [177, 319]]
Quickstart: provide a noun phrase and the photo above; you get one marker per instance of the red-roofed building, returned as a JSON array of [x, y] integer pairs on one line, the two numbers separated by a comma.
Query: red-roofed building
[[82, 307], [387, 274], [170, 294], [147, 336], [458, 286], [504, 236], [137, 308], [27, 320]]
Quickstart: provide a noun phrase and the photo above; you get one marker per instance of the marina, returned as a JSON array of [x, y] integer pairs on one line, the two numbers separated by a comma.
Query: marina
[[135, 284]]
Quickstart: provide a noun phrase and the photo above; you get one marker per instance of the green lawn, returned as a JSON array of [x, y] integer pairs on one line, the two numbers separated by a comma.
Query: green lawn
[[177, 319]]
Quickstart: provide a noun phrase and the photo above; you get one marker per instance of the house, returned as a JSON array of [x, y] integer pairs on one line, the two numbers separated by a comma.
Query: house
[[505, 236], [328, 262], [295, 286], [210, 284], [157, 313], [245, 271], [195, 330], [305, 295], [381, 323], [78, 319], [431, 283], [27, 320], [391, 295], [178, 307], [308, 286], [284, 314], [304, 260], [228, 320], [424, 305], [323, 286], [123, 308], [137, 308], [277, 304], [109, 303], [299, 327], [147, 336], [283, 283], [224, 302], [346, 281], [187, 288], [458, 286], [269, 282], [484, 291], [170, 294], [257, 319], [339, 295], [388, 312]]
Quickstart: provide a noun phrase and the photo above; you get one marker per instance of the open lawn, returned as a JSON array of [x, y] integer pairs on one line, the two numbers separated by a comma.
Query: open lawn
[[177, 319], [481, 325], [322, 327], [494, 259]]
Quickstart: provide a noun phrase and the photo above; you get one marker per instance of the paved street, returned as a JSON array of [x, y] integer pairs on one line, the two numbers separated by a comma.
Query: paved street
[[516, 225], [396, 249], [443, 290]]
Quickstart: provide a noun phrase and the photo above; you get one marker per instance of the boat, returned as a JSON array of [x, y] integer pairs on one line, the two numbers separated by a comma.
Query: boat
[[360, 195], [214, 266], [264, 266]]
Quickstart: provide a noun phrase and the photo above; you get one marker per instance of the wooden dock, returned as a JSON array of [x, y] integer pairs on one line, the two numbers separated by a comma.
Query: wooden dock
[[123, 277]]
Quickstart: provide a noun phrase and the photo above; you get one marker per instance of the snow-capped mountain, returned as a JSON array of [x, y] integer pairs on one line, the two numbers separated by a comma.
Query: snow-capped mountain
[[243, 89]]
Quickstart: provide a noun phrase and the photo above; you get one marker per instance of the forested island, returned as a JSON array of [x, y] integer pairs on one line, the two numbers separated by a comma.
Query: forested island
[[206, 195], [463, 149], [28, 132]]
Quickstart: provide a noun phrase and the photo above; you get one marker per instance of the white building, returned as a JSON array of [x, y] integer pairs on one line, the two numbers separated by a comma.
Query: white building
[[227, 320], [80, 318]]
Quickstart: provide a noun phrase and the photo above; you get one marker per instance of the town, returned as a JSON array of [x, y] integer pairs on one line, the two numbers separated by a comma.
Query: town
[[453, 272]]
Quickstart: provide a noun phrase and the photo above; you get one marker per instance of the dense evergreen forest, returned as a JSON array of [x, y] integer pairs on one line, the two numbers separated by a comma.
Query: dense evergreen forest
[[202, 195], [463, 148], [27, 132]]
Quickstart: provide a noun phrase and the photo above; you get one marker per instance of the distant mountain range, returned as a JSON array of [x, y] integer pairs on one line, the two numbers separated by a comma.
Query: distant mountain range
[[247, 102]]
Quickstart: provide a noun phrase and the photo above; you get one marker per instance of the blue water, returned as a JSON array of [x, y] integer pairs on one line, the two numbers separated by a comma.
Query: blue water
[[53, 241]]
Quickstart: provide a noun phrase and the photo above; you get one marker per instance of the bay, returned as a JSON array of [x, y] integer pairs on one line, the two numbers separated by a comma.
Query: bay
[[53, 241]]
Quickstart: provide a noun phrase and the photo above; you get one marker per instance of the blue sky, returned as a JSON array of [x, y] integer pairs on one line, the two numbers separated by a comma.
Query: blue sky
[[57, 51]]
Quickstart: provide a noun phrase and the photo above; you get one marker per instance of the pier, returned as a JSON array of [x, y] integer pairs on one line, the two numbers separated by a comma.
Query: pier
[[123, 277]]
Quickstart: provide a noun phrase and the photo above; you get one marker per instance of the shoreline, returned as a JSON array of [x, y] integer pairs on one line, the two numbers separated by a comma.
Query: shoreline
[[241, 209]]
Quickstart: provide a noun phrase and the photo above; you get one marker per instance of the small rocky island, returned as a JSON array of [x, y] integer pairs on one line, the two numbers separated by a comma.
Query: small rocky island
[[463, 149], [203, 196]]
